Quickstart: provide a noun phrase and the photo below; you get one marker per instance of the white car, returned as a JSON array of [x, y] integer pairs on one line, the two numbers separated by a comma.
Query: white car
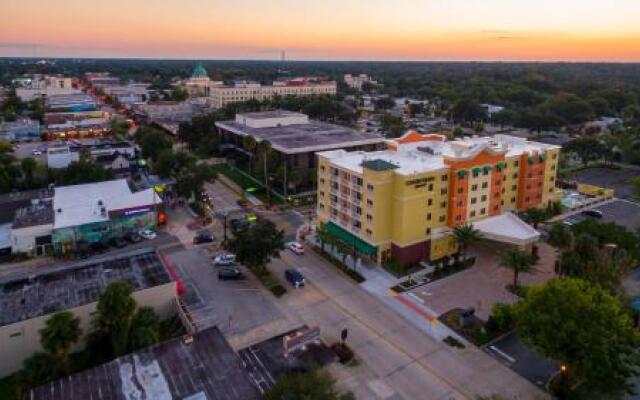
[[224, 259], [36, 152], [295, 247], [148, 234]]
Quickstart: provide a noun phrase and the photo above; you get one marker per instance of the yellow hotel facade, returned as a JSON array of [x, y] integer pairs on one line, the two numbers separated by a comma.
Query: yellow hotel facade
[[403, 202]]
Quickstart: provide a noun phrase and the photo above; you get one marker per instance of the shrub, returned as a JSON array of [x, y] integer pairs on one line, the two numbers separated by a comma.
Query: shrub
[[453, 342], [337, 263], [501, 317]]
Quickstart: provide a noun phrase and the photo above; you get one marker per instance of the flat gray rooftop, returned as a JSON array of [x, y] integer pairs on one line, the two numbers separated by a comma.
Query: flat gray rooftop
[[24, 296], [302, 138], [270, 114], [206, 369], [34, 215]]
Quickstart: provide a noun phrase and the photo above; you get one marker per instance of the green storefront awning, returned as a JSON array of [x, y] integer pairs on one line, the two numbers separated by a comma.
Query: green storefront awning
[[350, 239]]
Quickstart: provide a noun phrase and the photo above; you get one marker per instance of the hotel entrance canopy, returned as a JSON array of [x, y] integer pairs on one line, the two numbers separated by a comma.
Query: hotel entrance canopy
[[507, 228]]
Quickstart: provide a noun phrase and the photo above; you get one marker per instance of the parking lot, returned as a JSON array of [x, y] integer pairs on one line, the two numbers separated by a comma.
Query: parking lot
[[621, 212], [616, 179], [234, 306], [527, 363]]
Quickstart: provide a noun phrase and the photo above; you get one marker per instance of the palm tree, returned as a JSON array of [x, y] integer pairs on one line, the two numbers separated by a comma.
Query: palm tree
[[535, 216], [560, 236], [62, 330], [466, 235], [518, 261], [249, 143], [264, 147]]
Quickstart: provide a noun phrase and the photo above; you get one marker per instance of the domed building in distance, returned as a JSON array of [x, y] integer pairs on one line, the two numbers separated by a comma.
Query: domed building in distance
[[199, 84]]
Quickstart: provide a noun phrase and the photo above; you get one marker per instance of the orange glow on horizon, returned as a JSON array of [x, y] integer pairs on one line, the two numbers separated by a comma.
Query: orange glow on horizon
[[570, 30]]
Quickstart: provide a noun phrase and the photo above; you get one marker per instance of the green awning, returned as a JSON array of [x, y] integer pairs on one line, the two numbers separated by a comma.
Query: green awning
[[350, 239], [462, 173], [486, 168]]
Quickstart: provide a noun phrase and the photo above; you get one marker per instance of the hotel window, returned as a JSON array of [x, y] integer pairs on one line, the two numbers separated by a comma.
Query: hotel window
[[322, 181], [553, 167], [483, 197], [503, 190], [554, 156], [321, 206], [322, 168], [485, 172], [515, 175], [482, 211], [459, 218], [529, 175], [369, 203], [430, 202], [473, 214], [527, 199], [444, 178], [370, 188], [550, 190], [443, 204], [369, 218], [474, 188], [459, 204], [495, 208], [513, 199], [429, 217], [431, 187], [516, 163], [496, 194], [460, 190], [368, 231], [443, 191], [485, 185], [428, 231], [473, 200], [442, 218], [321, 193], [513, 187]]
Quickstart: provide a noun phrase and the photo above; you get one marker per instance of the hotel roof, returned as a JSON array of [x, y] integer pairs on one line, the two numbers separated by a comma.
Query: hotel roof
[[83, 204], [27, 295], [206, 369], [415, 153]]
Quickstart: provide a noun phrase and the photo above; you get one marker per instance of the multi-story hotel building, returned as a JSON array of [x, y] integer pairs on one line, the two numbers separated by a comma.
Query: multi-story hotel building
[[404, 201], [220, 96]]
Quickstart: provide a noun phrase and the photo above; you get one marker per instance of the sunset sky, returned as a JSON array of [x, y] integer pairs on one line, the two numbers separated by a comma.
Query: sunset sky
[[546, 30]]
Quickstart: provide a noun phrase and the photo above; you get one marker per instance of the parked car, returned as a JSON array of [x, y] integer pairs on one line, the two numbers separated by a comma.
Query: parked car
[[117, 242], [224, 259], [133, 237], [230, 273], [597, 214], [295, 247], [294, 277], [203, 237], [238, 224], [148, 234], [36, 152]]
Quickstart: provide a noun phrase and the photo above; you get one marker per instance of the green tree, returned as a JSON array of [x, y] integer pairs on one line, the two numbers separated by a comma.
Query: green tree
[[179, 94], [560, 236], [115, 312], [38, 369], [519, 261], [313, 385], [466, 235], [583, 327], [28, 166], [392, 125], [257, 245], [145, 328], [535, 216], [61, 331], [152, 142]]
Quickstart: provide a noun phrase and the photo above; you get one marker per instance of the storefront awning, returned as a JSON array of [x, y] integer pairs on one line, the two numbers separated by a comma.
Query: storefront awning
[[350, 239], [507, 228]]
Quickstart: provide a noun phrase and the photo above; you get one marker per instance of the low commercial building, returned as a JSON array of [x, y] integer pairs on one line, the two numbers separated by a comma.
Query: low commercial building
[[22, 130], [294, 140], [220, 96], [204, 367], [113, 155], [70, 103], [69, 218], [29, 299], [403, 202], [76, 124], [129, 94]]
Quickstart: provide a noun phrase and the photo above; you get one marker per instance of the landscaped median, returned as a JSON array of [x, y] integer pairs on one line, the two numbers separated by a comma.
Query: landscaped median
[[355, 275], [269, 281]]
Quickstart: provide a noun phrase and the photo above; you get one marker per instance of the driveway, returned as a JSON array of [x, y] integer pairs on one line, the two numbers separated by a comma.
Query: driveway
[[484, 284]]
